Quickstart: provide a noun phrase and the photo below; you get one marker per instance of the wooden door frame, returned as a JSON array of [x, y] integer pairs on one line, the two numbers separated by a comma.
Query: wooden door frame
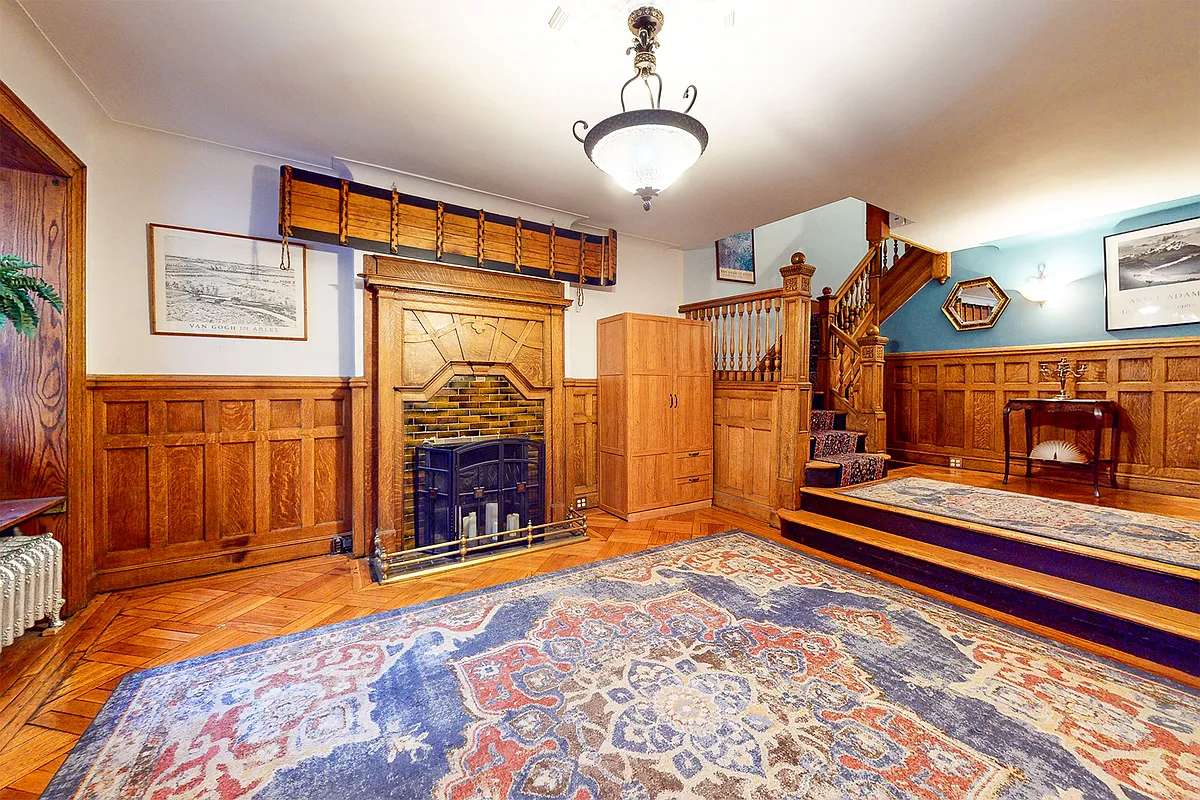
[[78, 572]]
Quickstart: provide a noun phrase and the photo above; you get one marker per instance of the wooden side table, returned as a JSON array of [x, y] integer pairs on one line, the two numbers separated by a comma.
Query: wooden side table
[[1102, 411], [22, 509]]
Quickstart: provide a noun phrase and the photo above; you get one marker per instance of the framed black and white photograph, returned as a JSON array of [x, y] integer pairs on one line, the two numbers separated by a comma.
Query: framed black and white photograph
[[1152, 276], [221, 284], [735, 258]]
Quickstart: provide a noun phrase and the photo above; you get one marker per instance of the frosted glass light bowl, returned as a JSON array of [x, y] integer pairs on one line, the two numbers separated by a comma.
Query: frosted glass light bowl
[[647, 149]]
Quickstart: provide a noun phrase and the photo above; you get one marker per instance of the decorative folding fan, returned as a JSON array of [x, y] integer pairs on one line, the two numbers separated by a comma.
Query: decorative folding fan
[[1058, 450]]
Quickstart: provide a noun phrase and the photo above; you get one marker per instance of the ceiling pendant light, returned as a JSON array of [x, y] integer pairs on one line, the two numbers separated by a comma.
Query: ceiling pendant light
[[646, 149]]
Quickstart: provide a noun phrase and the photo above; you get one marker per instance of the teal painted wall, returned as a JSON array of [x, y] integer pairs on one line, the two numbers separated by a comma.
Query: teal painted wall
[[1074, 256]]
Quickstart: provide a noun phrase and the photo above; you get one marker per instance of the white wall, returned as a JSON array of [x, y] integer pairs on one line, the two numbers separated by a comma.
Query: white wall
[[31, 68], [832, 237], [649, 281], [138, 176]]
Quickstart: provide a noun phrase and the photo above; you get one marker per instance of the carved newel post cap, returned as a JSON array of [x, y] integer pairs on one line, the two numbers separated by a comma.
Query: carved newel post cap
[[798, 259], [827, 291], [873, 330]]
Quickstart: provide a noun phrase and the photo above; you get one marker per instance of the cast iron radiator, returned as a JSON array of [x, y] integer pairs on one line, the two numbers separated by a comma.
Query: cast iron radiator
[[30, 584]]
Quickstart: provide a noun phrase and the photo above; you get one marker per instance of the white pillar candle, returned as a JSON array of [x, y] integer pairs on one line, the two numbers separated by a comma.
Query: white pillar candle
[[472, 522], [491, 519], [513, 523]]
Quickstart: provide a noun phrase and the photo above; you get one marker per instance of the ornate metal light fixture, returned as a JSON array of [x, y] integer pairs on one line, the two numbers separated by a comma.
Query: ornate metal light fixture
[[646, 149]]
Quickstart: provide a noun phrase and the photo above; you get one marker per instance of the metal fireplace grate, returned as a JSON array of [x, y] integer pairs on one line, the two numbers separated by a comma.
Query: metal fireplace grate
[[476, 498]]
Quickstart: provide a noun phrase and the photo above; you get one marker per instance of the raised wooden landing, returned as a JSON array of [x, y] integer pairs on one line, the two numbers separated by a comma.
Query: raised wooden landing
[[1156, 581], [1153, 633]]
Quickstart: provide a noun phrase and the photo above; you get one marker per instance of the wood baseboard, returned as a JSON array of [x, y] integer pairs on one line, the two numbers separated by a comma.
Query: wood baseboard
[[655, 513], [114, 579], [1125, 480], [749, 508]]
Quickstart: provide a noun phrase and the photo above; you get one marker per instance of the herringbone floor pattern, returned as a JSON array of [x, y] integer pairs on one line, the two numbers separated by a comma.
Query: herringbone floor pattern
[[51, 688]]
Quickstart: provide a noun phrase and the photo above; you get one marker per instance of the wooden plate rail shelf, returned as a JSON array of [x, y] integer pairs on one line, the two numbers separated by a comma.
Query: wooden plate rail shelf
[[322, 208]]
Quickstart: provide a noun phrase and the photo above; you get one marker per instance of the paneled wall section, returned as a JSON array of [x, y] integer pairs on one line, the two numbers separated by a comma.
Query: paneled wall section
[[199, 475], [582, 418], [951, 404], [744, 442]]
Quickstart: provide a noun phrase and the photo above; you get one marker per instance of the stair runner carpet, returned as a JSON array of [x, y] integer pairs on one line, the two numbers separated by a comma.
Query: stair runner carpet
[[840, 447]]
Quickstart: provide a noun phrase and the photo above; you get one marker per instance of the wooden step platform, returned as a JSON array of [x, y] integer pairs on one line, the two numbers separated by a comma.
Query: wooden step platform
[[1156, 581], [1160, 637]]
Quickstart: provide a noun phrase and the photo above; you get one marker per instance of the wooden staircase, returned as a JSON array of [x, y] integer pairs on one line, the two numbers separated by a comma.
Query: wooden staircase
[[848, 348], [837, 456], [906, 274]]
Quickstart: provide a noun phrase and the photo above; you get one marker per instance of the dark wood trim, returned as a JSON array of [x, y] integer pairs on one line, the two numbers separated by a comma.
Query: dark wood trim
[[78, 571]]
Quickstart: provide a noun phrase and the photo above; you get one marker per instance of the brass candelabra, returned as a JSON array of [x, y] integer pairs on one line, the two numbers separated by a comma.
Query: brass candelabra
[[1063, 370]]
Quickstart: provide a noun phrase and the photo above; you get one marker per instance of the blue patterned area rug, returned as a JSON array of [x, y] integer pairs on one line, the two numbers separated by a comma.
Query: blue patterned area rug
[[723, 668], [1167, 539]]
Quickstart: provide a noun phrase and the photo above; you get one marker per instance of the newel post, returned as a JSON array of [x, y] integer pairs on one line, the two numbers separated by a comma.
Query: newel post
[[795, 390], [871, 347], [824, 385]]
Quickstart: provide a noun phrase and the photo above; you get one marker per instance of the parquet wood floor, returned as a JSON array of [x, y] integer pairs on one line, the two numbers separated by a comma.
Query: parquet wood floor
[[51, 688]]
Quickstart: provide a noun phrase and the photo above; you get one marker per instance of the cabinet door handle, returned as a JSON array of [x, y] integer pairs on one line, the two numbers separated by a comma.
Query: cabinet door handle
[[693, 480], [694, 453]]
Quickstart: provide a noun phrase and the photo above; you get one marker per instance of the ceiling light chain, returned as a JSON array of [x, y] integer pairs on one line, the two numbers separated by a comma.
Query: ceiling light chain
[[645, 150]]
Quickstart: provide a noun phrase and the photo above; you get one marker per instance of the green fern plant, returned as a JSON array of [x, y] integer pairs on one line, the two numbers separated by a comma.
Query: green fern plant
[[18, 290]]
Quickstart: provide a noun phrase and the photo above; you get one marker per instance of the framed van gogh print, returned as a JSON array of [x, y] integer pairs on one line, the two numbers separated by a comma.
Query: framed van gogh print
[[1152, 276], [735, 258], [220, 284]]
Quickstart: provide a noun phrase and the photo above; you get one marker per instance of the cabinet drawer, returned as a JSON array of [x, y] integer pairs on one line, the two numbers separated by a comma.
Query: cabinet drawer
[[691, 490], [693, 462]]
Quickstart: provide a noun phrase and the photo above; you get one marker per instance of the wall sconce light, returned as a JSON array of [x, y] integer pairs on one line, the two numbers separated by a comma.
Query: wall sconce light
[[1038, 289]]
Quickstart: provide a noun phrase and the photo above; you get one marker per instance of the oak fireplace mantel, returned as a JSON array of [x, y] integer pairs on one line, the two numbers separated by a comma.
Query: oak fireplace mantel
[[433, 331]]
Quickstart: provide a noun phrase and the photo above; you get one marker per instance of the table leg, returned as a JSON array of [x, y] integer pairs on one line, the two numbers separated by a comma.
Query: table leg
[[1116, 443], [1007, 451], [1028, 442], [1098, 416]]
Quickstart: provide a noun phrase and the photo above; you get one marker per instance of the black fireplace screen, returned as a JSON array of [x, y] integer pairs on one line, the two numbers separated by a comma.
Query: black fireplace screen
[[476, 487]]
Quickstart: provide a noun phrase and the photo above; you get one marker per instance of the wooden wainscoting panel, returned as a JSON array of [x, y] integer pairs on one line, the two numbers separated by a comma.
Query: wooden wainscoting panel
[[744, 441], [582, 440], [203, 474], [951, 404]]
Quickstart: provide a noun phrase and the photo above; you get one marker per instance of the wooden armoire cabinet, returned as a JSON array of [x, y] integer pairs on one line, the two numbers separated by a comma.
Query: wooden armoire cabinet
[[654, 377]]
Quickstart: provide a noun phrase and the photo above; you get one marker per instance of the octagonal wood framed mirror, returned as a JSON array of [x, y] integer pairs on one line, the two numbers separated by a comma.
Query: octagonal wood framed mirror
[[975, 304]]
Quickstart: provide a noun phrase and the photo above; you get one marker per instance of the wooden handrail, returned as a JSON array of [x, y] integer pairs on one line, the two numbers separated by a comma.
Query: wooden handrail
[[911, 243], [855, 274], [733, 298]]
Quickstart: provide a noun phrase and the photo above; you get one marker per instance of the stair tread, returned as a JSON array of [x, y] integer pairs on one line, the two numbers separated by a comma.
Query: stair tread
[[822, 461], [1176, 621]]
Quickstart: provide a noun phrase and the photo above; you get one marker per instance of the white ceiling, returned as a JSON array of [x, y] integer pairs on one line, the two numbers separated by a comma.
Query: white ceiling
[[975, 119]]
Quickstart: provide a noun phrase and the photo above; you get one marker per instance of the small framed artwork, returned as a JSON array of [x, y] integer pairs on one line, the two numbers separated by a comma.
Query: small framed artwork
[[1152, 276], [221, 284], [735, 258]]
